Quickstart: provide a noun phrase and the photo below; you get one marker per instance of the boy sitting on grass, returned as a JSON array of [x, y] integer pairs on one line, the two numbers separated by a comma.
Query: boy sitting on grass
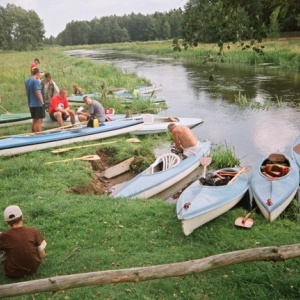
[[22, 248]]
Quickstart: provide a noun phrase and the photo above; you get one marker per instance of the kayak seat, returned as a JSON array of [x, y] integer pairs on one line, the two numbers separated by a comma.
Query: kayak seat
[[164, 162]]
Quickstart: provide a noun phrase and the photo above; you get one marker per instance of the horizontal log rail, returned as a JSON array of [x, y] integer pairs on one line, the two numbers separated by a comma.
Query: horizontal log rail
[[271, 253]]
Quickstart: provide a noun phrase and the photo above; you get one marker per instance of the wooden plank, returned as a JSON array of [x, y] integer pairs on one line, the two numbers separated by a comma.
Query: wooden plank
[[118, 169]]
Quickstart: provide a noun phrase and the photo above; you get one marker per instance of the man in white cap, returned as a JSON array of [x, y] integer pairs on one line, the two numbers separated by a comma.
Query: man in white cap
[[22, 247]]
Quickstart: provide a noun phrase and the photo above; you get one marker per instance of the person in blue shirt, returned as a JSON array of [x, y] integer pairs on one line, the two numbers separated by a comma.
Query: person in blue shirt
[[35, 100]]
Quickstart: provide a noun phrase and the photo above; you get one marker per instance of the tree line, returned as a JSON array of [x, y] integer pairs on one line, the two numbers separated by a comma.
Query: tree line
[[206, 21]]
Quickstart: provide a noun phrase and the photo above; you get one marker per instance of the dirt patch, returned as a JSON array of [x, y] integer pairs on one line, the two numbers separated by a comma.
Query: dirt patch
[[100, 185]]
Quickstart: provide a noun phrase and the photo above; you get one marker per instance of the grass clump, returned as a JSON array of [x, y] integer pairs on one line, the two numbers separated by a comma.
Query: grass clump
[[223, 156]]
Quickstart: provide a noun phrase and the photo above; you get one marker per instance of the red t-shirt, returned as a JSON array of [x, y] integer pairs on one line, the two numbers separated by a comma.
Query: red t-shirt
[[58, 101], [21, 245], [33, 65]]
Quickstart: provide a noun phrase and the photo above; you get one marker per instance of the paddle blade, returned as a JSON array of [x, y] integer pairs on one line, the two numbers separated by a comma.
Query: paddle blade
[[242, 222], [133, 140], [90, 157], [205, 160], [60, 150]]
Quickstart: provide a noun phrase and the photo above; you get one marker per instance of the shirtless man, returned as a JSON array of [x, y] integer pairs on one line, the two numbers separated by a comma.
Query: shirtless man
[[185, 140]]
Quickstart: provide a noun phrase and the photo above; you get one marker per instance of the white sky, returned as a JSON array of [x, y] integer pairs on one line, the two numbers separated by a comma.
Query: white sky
[[57, 13]]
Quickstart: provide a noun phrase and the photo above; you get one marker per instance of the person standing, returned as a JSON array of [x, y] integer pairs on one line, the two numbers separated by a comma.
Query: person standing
[[185, 140], [34, 64], [35, 100], [96, 111], [22, 247], [48, 88], [59, 108]]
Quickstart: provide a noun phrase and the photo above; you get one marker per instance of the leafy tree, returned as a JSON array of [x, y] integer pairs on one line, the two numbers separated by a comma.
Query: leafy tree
[[20, 29]]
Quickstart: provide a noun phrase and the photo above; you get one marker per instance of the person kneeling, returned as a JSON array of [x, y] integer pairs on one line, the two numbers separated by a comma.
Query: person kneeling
[[96, 111], [22, 248], [59, 108]]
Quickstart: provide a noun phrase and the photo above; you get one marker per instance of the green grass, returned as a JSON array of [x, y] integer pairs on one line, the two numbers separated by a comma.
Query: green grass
[[92, 232]]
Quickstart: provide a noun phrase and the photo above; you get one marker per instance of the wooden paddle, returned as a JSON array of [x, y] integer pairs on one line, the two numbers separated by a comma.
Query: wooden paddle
[[133, 140], [205, 161], [86, 157], [62, 150], [44, 131], [241, 171], [246, 221], [6, 111]]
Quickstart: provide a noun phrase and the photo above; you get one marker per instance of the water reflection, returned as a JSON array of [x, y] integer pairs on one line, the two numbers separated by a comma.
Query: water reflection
[[188, 92]]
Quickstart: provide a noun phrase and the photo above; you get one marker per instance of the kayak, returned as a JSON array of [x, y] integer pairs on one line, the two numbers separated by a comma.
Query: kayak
[[274, 186], [30, 142], [199, 204], [14, 119], [167, 170]]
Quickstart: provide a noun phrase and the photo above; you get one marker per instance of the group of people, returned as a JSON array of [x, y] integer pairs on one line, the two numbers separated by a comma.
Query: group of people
[[44, 95]]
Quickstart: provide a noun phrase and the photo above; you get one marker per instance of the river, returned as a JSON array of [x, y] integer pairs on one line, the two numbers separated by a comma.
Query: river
[[188, 92]]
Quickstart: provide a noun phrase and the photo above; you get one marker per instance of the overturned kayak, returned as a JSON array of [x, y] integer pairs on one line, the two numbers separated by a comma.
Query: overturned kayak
[[146, 89], [79, 98], [199, 204], [167, 170], [30, 142], [14, 119]]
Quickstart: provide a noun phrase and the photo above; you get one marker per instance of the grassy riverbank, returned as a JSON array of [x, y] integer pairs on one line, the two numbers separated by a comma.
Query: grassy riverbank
[[89, 232], [281, 52]]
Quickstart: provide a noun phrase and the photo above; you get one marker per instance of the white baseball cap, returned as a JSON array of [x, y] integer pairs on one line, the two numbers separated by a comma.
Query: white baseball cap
[[12, 212]]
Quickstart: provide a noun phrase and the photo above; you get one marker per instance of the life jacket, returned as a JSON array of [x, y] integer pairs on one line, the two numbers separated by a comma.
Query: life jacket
[[276, 170], [50, 92]]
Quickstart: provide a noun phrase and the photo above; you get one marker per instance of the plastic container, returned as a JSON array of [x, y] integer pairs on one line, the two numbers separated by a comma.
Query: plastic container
[[95, 123]]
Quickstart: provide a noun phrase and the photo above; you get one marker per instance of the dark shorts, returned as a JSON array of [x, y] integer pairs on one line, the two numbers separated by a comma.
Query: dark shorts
[[37, 112], [64, 117]]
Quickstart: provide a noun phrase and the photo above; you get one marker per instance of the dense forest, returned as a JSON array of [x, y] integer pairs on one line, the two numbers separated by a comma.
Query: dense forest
[[199, 21]]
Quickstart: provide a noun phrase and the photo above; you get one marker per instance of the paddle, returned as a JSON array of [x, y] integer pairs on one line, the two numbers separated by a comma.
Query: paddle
[[62, 150], [245, 221], [241, 171], [6, 111], [86, 157], [133, 140], [205, 161], [45, 131]]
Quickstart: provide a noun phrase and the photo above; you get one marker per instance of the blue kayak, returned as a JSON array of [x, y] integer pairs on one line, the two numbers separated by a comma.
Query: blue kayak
[[199, 204], [79, 98], [153, 180], [30, 142], [273, 194]]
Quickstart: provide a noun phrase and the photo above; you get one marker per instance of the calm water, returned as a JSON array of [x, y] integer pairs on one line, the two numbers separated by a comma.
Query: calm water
[[189, 93]]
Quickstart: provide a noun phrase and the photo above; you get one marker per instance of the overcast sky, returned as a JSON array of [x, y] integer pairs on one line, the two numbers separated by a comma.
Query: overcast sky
[[57, 13]]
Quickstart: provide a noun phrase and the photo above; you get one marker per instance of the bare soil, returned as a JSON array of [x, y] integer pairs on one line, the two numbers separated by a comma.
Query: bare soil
[[100, 185]]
